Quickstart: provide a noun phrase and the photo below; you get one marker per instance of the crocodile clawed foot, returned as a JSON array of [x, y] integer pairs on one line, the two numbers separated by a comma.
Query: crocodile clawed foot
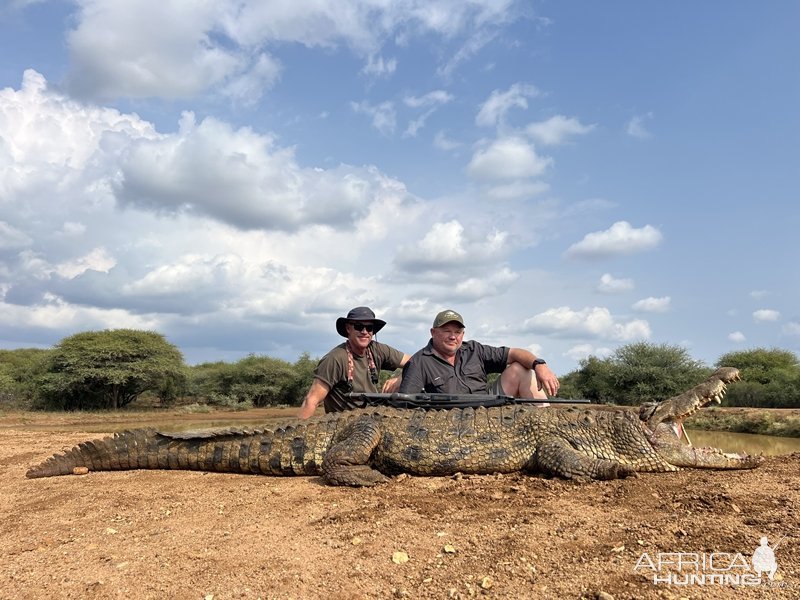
[[609, 469], [354, 475]]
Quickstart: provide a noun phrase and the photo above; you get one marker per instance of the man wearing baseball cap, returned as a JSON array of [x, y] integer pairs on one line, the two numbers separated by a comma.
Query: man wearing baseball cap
[[449, 365], [353, 366]]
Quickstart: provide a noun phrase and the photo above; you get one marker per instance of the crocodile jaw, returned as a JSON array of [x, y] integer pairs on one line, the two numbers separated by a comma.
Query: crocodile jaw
[[668, 435]]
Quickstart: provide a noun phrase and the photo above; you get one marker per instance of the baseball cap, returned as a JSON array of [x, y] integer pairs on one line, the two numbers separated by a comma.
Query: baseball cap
[[446, 316]]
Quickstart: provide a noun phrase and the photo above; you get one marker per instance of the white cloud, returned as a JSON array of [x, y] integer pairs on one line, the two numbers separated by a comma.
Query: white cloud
[[507, 158], [442, 142], [240, 178], [96, 260], [384, 116], [636, 126], [759, 294], [736, 336], [597, 322], [448, 246], [378, 67], [431, 99], [248, 87], [181, 48], [652, 305], [555, 130], [493, 111], [611, 285], [791, 328], [765, 315], [157, 48], [49, 139], [430, 102], [619, 239], [581, 351]]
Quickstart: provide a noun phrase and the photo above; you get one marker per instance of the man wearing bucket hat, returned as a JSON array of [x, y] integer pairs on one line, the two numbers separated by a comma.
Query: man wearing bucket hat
[[449, 365], [353, 366]]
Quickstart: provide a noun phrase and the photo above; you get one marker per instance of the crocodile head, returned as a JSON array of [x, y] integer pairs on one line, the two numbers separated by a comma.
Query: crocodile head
[[664, 422]]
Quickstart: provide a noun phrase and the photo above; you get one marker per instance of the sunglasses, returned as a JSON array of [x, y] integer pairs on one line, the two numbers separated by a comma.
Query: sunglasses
[[370, 327]]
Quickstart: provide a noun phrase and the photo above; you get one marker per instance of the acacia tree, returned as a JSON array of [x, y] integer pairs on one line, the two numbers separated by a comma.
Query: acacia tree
[[107, 369], [637, 373], [771, 378]]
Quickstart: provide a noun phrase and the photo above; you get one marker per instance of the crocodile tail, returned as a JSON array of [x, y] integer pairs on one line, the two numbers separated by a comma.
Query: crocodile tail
[[285, 451], [125, 450]]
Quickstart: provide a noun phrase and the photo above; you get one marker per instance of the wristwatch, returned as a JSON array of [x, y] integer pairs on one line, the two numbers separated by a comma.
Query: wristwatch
[[538, 361]]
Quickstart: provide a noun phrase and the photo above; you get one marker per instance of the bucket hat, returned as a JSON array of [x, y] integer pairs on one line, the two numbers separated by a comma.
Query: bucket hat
[[359, 313]]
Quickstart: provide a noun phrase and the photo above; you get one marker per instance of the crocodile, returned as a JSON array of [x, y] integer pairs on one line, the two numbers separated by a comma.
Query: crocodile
[[364, 447]]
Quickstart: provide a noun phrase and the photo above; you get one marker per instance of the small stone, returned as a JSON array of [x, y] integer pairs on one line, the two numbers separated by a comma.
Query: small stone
[[604, 596], [735, 508], [110, 531], [80, 470], [356, 541], [487, 582], [619, 548], [449, 549], [399, 558]]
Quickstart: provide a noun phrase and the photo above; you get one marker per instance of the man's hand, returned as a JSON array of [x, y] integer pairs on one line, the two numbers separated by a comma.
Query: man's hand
[[547, 380], [392, 385]]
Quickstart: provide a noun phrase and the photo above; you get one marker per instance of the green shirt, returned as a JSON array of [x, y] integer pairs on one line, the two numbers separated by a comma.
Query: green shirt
[[332, 370]]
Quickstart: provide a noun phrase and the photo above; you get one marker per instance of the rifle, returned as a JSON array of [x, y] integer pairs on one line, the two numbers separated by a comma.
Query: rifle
[[434, 401]]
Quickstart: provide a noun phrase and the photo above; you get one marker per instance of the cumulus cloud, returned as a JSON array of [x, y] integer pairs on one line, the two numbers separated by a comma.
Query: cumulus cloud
[[240, 178], [149, 48], [493, 111], [736, 336], [507, 158], [597, 322], [448, 246], [612, 285], [555, 130], [180, 48], [619, 239], [652, 305], [765, 315]]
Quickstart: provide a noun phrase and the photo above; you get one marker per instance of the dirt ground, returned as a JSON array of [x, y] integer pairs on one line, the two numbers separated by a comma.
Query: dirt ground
[[171, 534]]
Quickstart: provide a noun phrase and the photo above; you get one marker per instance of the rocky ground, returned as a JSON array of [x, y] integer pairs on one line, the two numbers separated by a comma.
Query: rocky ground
[[169, 534]]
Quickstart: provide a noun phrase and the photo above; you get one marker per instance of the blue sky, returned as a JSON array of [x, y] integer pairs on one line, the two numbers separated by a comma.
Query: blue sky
[[570, 176]]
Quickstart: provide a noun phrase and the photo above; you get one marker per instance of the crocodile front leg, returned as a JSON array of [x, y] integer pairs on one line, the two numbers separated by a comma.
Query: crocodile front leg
[[346, 462], [557, 457]]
